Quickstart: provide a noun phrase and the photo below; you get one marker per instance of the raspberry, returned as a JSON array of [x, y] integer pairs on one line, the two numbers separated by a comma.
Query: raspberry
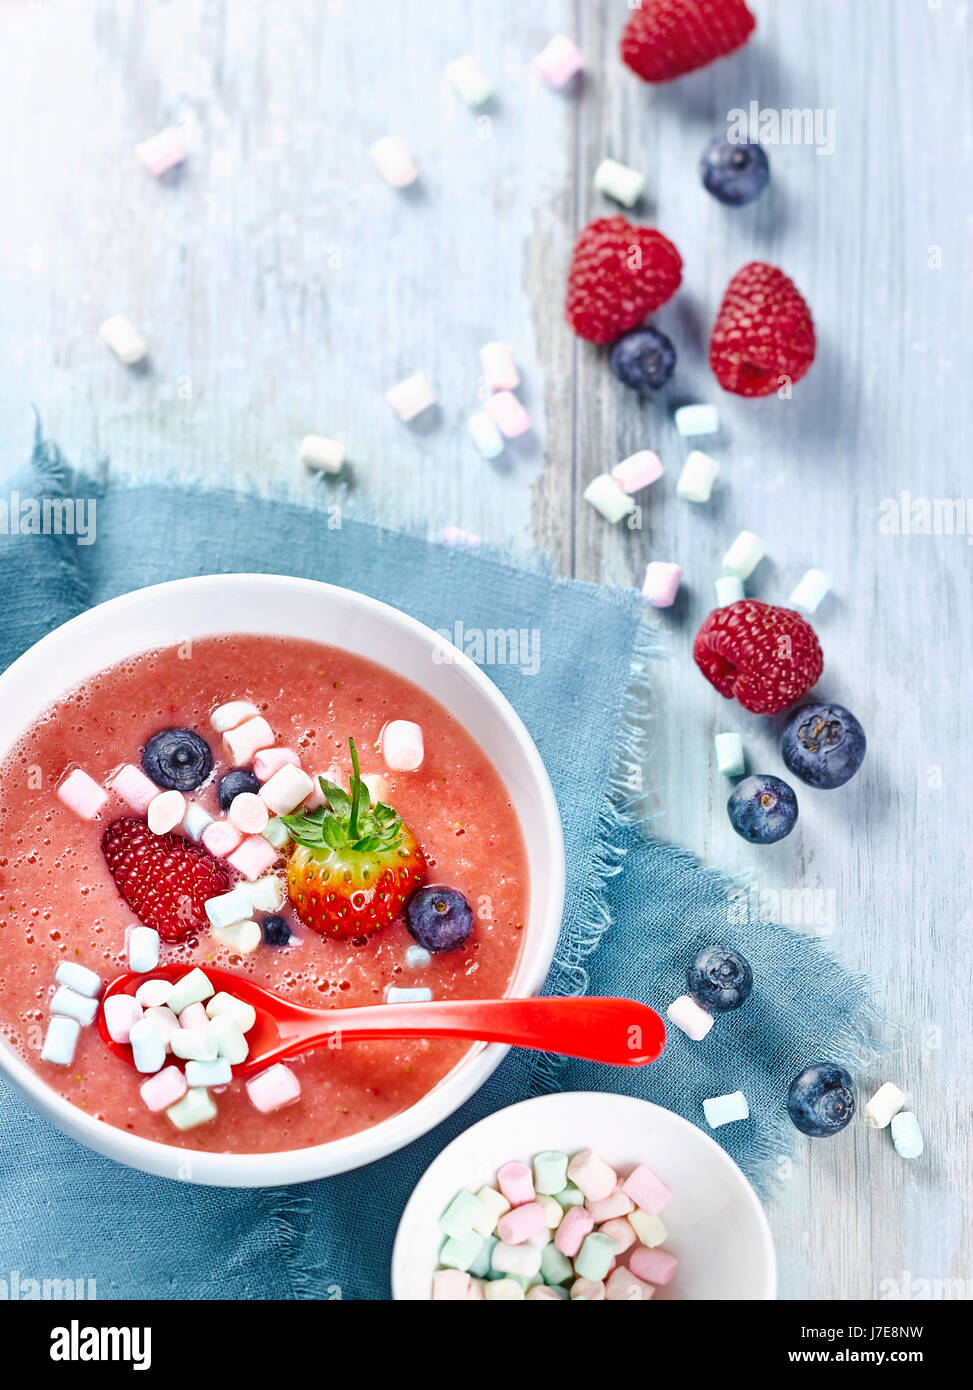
[[767, 657], [620, 274], [667, 38], [165, 879], [764, 331]]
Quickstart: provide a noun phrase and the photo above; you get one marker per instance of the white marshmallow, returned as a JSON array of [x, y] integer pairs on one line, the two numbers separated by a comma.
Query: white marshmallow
[[499, 367], [744, 555], [604, 494], [248, 738], [697, 477], [166, 812], [121, 1011], [164, 1022], [402, 746], [697, 419], [324, 455], [524, 1260], [230, 1042], [60, 1041], [273, 1089], [195, 821], [393, 161], [216, 1073], [70, 1004], [686, 1014], [810, 591], [729, 755], [248, 813], [143, 949], [227, 908], [620, 182], [195, 1044], [243, 937], [79, 978], [906, 1135], [122, 337], [224, 1005], [469, 82], [729, 589], [266, 894], [396, 995], [148, 1049], [286, 789], [231, 715], [726, 1110], [887, 1101], [195, 1108], [193, 988]]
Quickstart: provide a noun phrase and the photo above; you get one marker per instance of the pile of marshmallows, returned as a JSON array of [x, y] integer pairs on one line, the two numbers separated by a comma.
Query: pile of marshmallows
[[560, 1231]]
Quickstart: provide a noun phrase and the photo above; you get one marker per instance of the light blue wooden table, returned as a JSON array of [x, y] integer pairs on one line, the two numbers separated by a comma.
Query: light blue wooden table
[[282, 288]]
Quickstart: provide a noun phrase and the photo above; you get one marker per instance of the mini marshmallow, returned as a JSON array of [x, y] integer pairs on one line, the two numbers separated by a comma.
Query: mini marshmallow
[[79, 978], [570, 1197], [541, 1239], [638, 471], [120, 334], [284, 791], [686, 1014], [697, 477], [232, 715], [221, 838], [573, 1230], [148, 1049], [692, 420], [587, 1291], [193, 1016], [499, 367], [452, 535], [241, 937], [552, 1209], [550, 1171], [165, 1023], [224, 1005], [555, 1267], [604, 494], [402, 746], [487, 439], [271, 760], [195, 821], [661, 583], [468, 81], [594, 1259], [227, 908], [69, 1004], [247, 739], [617, 1203], [729, 589], [166, 812], [729, 755], [540, 1293], [508, 414], [650, 1230], [477, 1287], [248, 813], [273, 1089], [461, 1214], [162, 152], [195, 1045], [887, 1101], [378, 787], [195, 1108], [558, 62], [132, 785], [254, 857], [655, 1266], [396, 995], [592, 1175], [121, 1011], [744, 555], [193, 988], [515, 1182], [620, 1232], [163, 1089], [451, 1286], [503, 1291], [411, 397], [143, 949], [810, 591], [906, 1134], [230, 1042], [393, 161], [60, 1040], [216, 1073], [618, 181], [494, 1204], [322, 454], [519, 1224], [266, 894], [623, 1286], [82, 794], [522, 1260], [154, 993], [275, 832], [647, 1190], [726, 1110]]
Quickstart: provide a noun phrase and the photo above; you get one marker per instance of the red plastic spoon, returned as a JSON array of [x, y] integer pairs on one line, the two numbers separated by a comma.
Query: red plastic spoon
[[621, 1032]]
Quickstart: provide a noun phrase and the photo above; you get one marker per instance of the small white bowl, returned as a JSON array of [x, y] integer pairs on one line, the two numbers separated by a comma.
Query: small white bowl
[[167, 614], [717, 1227]]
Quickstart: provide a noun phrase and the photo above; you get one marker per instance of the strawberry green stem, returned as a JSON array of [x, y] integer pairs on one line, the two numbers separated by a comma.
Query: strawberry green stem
[[356, 790]]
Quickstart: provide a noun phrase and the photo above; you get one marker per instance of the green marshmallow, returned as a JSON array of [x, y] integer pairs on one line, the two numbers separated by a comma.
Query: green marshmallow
[[550, 1172], [461, 1215], [555, 1267], [481, 1268], [571, 1196], [593, 1260], [461, 1252]]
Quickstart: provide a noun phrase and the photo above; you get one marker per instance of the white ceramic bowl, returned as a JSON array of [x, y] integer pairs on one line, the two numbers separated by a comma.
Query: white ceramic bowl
[[717, 1227], [255, 603]]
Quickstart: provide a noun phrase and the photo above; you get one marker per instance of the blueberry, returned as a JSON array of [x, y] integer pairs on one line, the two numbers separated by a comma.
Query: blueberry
[[177, 759], [720, 979], [644, 360], [233, 783], [439, 918], [735, 172], [762, 809], [824, 745], [276, 931], [821, 1100]]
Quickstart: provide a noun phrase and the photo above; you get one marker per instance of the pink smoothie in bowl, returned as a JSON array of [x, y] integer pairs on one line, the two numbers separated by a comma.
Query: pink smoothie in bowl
[[60, 904]]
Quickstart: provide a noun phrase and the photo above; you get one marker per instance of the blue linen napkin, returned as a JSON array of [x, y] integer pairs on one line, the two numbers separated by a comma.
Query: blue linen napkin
[[636, 911]]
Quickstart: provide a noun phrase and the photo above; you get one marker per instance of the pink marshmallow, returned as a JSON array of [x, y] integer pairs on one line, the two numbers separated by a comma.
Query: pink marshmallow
[[507, 413], [559, 61], [221, 838], [254, 857], [656, 1266], [132, 785], [268, 760], [161, 152], [593, 1290], [121, 1011], [248, 813], [499, 368], [273, 1089], [649, 1193], [516, 1183], [247, 739], [411, 397], [194, 1016], [620, 1232], [393, 161], [575, 1226], [451, 1286], [661, 583], [595, 1179], [616, 1204], [520, 1223], [686, 1014], [638, 471], [541, 1293], [164, 1088], [316, 797], [166, 811], [622, 1286], [82, 794]]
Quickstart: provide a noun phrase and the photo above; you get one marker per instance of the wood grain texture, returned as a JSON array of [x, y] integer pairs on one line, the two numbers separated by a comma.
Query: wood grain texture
[[282, 288]]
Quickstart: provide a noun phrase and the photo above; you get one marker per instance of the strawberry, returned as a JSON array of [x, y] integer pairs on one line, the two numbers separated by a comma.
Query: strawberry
[[354, 866], [620, 274], [165, 879]]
